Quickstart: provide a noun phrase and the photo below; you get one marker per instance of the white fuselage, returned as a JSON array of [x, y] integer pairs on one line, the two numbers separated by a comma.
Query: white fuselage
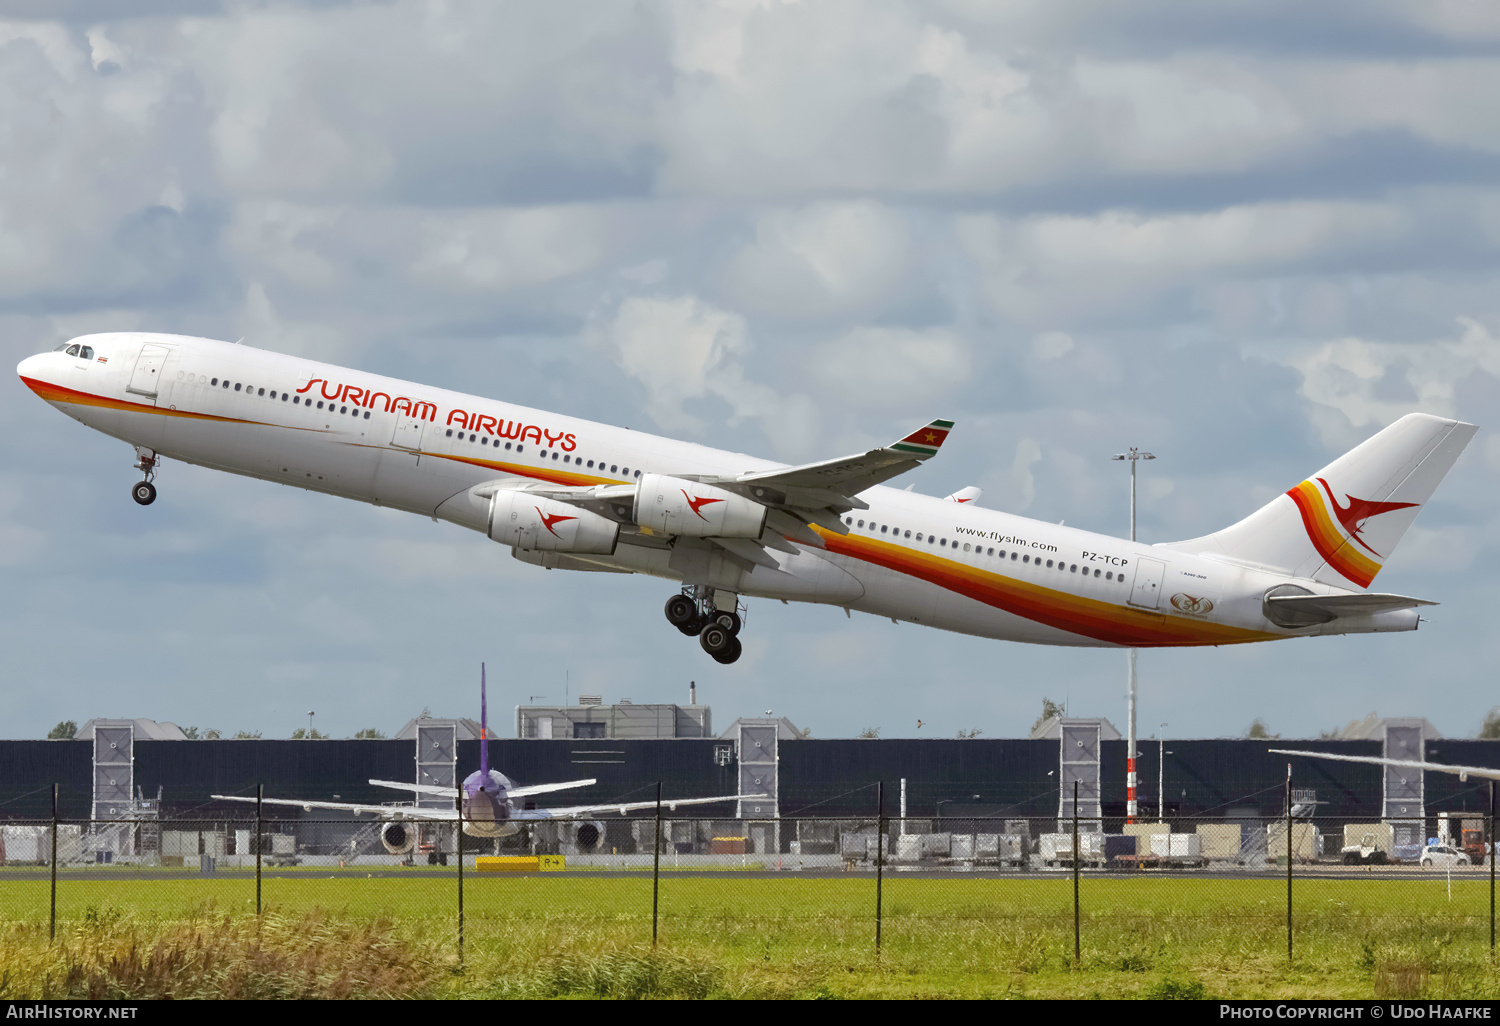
[[422, 449]]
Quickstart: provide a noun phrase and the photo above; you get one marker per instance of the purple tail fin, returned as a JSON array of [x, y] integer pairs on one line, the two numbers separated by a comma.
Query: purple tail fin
[[484, 733]]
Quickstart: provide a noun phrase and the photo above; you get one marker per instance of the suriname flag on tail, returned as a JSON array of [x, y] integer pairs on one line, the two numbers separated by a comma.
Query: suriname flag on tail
[[925, 442]]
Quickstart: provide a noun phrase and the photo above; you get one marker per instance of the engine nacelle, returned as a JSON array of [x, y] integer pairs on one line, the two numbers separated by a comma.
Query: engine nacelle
[[399, 837], [531, 522], [670, 505]]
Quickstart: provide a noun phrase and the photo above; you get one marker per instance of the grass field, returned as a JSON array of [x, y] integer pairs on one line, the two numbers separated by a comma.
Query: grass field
[[560, 935]]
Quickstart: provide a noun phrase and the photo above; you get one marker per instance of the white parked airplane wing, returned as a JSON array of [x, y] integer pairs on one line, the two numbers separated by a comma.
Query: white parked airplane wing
[[1463, 772], [388, 811], [579, 811]]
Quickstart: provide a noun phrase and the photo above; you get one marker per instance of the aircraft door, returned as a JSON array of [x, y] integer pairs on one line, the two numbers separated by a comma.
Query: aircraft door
[[1146, 591], [408, 433], [145, 379]]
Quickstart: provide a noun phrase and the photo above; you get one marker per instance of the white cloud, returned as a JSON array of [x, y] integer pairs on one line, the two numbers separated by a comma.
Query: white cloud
[[892, 367], [831, 257], [1376, 383], [683, 349]]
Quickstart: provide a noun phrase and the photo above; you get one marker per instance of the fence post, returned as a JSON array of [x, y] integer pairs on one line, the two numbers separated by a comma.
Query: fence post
[[458, 845], [1077, 941], [656, 865], [1288, 862], [260, 792], [51, 929], [1490, 836], [879, 857]]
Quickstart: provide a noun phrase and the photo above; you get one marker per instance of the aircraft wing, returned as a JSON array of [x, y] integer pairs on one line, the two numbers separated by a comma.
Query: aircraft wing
[[531, 789], [391, 812], [833, 484], [579, 811], [812, 494], [1463, 772]]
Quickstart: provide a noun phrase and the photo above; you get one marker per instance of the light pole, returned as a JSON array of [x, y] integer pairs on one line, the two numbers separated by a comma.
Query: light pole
[[1131, 805], [1161, 761], [310, 715]]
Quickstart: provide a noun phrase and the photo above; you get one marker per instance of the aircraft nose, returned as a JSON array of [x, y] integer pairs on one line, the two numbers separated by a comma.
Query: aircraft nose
[[33, 368]]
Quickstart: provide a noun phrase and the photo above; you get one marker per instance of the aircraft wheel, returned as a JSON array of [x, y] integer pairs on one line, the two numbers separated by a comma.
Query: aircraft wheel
[[680, 611], [730, 653], [692, 628], [715, 638], [729, 620], [144, 492]]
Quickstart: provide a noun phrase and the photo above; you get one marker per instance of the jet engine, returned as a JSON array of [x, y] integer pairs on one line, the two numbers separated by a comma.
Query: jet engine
[[399, 837], [588, 836], [531, 522], [670, 505]]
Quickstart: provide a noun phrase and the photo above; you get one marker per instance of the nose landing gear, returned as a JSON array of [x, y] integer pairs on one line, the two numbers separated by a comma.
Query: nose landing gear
[[144, 492], [695, 613]]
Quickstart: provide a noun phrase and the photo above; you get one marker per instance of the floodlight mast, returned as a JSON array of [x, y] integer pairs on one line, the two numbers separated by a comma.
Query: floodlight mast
[[1131, 805]]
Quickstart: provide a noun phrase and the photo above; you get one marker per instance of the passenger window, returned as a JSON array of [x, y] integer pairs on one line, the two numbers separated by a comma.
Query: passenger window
[[226, 382], [507, 445], [591, 464], [567, 459], [519, 448], [884, 528], [215, 381], [931, 538], [625, 471], [1097, 572], [320, 404], [296, 400], [1049, 564], [283, 397], [554, 457], [990, 552], [260, 391], [613, 468], [1012, 557], [544, 454], [861, 523], [367, 415], [637, 473], [919, 536], [1072, 568], [908, 534], [944, 542], [1026, 559], [473, 437], [1109, 576], [236, 386], [72, 350]]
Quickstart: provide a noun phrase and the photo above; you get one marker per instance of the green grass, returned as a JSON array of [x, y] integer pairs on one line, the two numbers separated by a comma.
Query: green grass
[[562, 935]]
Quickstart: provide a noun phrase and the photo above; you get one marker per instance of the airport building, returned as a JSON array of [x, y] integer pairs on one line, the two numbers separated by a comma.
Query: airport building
[[144, 776]]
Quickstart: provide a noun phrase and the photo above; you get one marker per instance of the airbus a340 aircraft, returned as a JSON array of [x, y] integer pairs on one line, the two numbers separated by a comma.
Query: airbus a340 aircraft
[[485, 803], [565, 493]]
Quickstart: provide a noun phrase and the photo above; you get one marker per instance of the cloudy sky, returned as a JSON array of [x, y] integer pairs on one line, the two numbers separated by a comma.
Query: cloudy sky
[[1243, 236]]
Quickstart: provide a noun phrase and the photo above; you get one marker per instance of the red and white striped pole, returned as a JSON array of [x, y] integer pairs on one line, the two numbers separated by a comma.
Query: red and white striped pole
[[1132, 808]]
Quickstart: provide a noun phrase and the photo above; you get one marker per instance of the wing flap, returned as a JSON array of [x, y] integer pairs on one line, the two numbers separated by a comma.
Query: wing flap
[[577, 811]]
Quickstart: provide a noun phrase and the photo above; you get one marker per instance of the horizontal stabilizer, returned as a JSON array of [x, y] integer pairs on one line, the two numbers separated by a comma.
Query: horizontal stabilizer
[[1346, 605], [1462, 772], [579, 811], [531, 789], [443, 792]]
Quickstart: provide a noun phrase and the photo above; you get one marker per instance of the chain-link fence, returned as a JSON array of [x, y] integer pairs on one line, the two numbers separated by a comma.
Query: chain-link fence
[[1276, 884]]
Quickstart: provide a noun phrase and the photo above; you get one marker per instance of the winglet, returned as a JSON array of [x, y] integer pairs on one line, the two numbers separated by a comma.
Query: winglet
[[924, 442]]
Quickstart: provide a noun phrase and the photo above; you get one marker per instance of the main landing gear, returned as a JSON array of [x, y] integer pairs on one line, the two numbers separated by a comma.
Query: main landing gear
[[144, 492], [693, 612]]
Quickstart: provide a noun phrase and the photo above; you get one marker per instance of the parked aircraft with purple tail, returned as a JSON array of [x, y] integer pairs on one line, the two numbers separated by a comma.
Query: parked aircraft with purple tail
[[486, 802]]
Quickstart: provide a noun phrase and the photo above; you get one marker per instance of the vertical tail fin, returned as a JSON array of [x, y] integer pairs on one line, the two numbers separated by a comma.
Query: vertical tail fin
[[1340, 525], [484, 729]]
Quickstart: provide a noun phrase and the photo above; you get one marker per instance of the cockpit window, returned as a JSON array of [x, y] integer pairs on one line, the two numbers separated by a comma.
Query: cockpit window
[[60, 347], [87, 352], [72, 350]]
